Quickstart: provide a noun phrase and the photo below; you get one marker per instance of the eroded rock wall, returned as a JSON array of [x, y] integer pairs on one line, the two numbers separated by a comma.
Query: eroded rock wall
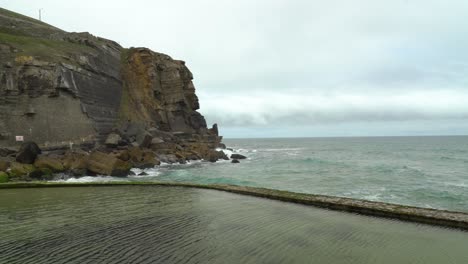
[[58, 87], [65, 97], [159, 89]]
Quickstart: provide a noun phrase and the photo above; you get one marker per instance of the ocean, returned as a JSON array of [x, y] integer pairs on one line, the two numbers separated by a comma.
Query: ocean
[[419, 171]]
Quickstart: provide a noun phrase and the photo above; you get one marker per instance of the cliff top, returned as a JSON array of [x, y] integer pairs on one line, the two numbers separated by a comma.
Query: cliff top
[[31, 37]]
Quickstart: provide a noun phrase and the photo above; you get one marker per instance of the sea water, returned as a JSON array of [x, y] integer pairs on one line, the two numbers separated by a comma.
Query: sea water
[[420, 171]]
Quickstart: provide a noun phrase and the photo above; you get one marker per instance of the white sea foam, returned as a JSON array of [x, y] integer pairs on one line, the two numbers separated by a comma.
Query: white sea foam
[[226, 151], [93, 179], [152, 172]]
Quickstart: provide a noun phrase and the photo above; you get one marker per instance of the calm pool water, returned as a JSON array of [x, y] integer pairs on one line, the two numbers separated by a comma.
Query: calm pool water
[[149, 224]]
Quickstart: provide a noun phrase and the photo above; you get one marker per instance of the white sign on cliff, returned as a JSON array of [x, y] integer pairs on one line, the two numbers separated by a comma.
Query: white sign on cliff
[[19, 138]]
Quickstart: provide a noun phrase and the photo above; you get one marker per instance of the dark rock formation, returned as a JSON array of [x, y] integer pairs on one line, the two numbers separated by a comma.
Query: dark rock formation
[[5, 152], [238, 156], [28, 153], [235, 161], [112, 140]]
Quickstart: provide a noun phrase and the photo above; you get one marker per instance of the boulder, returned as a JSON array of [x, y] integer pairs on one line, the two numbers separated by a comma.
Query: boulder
[[144, 140], [192, 155], [168, 158], [235, 161], [78, 172], [142, 159], [28, 153], [156, 140], [4, 165], [214, 156], [238, 156], [5, 152], [221, 146], [41, 174], [123, 155], [149, 160], [106, 164], [51, 163], [20, 169], [112, 140], [75, 161], [143, 174]]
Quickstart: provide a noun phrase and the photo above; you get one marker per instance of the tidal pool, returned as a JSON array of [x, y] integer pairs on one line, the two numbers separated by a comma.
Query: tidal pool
[[152, 224]]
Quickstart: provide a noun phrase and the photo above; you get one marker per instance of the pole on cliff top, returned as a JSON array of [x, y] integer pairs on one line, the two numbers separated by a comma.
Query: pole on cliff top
[[40, 14]]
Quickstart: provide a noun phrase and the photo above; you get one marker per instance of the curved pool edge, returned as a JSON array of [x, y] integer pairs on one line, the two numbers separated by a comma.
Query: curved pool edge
[[451, 219]]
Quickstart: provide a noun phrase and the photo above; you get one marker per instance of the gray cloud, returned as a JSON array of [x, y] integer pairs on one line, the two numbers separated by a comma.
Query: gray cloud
[[267, 63], [267, 108]]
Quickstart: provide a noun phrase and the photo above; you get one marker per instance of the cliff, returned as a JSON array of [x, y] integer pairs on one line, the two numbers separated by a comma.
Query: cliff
[[59, 88]]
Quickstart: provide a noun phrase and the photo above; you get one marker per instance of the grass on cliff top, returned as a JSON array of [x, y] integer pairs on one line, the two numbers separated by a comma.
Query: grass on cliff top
[[43, 48], [8, 13]]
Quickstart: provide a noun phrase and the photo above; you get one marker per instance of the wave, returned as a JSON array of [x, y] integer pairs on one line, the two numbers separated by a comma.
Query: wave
[[92, 179]]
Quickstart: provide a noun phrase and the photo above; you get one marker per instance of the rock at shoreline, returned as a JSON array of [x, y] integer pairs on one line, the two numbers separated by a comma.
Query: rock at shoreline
[[4, 165], [5, 152], [106, 164], [221, 146], [235, 161], [18, 169], [41, 174], [214, 156], [53, 164], [238, 156], [76, 163], [28, 153], [168, 158]]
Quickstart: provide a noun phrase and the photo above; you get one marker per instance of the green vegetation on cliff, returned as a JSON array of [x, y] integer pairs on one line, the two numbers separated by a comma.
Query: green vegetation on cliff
[[46, 49], [8, 13]]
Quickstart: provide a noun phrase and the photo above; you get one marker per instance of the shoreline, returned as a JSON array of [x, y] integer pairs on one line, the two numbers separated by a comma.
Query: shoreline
[[435, 217]]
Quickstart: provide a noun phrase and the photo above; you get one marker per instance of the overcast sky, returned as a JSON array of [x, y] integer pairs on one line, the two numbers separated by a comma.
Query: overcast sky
[[281, 68]]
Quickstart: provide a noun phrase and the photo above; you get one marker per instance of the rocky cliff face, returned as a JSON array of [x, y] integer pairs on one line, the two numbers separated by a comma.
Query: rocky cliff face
[[58, 87]]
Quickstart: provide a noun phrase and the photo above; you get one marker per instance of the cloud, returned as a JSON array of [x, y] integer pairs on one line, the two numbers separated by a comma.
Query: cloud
[[272, 108]]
